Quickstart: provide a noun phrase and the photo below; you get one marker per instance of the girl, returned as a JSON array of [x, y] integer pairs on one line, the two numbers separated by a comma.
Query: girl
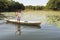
[[18, 15]]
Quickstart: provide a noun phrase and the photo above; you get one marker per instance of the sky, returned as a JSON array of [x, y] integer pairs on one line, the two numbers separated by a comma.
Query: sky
[[33, 2]]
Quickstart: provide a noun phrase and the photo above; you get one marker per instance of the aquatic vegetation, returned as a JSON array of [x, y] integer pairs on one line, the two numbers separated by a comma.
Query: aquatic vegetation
[[54, 19], [50, 17]]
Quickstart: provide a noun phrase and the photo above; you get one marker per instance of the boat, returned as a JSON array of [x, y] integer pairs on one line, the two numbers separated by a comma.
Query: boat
[[29, 23]]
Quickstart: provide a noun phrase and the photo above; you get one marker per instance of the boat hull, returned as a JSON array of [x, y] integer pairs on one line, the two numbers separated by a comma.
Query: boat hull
[[29, 23]]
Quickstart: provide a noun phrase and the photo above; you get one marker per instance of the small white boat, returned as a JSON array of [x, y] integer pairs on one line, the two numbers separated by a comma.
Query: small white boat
[[30, 23]]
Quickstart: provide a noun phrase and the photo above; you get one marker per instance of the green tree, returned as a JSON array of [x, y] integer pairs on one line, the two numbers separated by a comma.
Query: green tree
[[3, 5], [10, 5], [53, 4], [13, 6]]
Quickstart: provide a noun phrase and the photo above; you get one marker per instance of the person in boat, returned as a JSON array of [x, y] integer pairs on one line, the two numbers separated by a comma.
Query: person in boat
[[18, 15]]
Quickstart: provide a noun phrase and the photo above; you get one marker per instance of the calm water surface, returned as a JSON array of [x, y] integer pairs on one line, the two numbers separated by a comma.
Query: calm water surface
[[44, 32]]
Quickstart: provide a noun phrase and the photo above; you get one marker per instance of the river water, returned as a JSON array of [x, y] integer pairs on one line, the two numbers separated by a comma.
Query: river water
[[44, 32]]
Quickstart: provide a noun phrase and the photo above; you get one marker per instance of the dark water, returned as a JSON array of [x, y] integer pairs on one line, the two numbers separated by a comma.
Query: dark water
[[45, 32]]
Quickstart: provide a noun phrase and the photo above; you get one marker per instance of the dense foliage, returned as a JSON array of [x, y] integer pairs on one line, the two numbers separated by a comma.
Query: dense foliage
[[53, 4], [35, 7], [10, 5]]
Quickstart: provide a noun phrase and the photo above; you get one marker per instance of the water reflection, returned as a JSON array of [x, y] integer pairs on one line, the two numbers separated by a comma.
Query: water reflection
[[18, 29]]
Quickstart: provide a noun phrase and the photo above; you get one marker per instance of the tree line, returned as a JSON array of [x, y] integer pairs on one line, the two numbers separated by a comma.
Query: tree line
[[10, 5], [52, 5], [34, 7]]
